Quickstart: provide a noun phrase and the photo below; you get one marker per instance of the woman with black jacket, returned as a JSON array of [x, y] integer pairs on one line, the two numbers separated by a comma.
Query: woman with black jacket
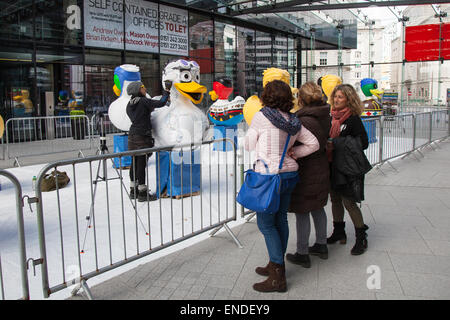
[[345, 110], [139, 110]]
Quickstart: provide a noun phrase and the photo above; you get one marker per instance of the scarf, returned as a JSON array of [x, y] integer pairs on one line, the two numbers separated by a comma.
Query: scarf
[[291, 126], [338, 118]]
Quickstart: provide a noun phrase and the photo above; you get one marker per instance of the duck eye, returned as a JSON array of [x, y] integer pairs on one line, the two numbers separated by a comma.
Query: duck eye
[[185, 76], [197, 78]]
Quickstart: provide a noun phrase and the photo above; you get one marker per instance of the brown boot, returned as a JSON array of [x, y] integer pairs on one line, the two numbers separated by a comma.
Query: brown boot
[[263, 271], [276, 282]]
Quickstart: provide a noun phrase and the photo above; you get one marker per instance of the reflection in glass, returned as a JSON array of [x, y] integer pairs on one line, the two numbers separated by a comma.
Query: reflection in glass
[[279, 52], [225, 41], [246, 45], [16, 20], [59, 72], [17, 98], [59, 21], [149, 69], [263, 56], [99, 77], [201, 40]]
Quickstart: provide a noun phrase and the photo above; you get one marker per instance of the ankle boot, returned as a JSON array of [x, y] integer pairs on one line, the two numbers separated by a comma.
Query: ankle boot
[[338, 233], [276, 282], [320, 250], [133, 193], [145, 195], [361, 241], [300, 259], [263, 271]]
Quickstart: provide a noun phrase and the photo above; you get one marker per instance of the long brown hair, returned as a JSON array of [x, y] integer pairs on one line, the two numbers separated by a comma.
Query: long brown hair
[[353, 100]]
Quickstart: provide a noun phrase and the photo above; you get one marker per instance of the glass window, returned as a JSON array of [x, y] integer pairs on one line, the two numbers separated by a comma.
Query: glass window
[[246, 80], [280, 52], [263, 56], [17, 95], [149, 69], [17, 19], [99, 78], [59, 21], [323, 58], [226, 69], [225, 41], [59, 74], [245, 45], [201, 40]]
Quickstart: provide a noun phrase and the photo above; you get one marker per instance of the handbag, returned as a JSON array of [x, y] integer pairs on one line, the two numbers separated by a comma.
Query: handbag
[[260, 192], [51, 179]]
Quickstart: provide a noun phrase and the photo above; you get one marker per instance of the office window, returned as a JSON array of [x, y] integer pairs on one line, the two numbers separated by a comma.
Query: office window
[[323, 58]]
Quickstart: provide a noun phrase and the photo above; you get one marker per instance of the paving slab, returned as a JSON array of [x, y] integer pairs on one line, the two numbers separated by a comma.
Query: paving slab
[[408, 212]]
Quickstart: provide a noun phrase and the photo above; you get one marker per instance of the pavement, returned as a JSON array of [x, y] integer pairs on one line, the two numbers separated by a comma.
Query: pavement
[[406, 208]]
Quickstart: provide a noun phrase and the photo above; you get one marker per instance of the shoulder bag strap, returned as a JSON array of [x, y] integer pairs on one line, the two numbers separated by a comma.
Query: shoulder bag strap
[[284, 152]]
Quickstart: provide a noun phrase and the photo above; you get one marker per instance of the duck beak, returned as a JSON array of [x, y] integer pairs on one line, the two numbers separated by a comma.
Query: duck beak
[[377, 93], [191, 90], [117, 91]]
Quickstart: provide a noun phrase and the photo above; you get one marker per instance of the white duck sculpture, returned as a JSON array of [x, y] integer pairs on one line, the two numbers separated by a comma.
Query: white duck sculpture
[[181, 122]]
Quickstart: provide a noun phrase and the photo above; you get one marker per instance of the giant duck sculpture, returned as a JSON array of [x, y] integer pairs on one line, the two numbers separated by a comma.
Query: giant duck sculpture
[[181, 122], [225, 114]]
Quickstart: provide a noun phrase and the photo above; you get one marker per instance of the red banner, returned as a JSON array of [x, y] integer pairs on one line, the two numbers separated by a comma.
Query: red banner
[[422, 43]]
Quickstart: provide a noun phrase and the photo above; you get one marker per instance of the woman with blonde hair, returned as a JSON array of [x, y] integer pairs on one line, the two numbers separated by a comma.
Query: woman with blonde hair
[[346, 191], [310, 195]]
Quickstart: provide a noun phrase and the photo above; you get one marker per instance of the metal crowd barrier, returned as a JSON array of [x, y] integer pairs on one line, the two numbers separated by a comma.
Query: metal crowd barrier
[[389, 136], [46, 135], [18, 263], [100, 228]]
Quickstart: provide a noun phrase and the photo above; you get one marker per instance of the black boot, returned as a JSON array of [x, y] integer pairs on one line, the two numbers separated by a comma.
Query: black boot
[[338, 233], [133, 193], [300, 259], [320, 250], [361, 241], [146, 195]]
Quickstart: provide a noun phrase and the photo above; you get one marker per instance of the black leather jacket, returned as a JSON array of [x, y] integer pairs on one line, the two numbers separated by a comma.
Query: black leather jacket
[[349, 166], [139, 110]]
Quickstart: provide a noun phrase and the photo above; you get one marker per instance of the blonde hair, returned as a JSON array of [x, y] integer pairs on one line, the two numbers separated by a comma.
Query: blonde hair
[[310, 94], [353, 100]]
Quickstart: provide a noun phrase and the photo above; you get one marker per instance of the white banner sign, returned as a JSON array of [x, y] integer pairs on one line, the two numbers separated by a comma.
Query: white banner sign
[[141, 25], [174, 31], [103, 26]]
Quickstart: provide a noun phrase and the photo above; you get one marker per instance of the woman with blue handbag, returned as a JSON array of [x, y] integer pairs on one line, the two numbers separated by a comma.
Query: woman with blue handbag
[[272, 132]]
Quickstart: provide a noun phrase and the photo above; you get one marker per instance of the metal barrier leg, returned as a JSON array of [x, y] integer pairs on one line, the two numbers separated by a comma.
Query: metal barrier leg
[[83, 285], [232, 235], [16, 162], [250, 217]]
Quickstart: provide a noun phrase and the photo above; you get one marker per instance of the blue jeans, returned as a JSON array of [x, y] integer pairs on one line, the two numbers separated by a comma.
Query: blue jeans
[[274, 226]]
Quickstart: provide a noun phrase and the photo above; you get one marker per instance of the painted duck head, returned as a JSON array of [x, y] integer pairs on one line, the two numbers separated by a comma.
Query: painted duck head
[[369, 87], [123, 75], [185, 79]]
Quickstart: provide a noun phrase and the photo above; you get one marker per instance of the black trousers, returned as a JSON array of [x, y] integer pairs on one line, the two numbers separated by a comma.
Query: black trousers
[[139, 163]]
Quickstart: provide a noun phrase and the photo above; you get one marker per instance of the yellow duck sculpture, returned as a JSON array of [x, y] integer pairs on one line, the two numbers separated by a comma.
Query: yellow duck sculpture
[[2, 127], [24, 100], [328, 83], [253, 104]]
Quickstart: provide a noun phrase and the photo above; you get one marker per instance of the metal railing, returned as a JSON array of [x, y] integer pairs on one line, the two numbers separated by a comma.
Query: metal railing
[[46, 135], [98, 227], [15, 264]]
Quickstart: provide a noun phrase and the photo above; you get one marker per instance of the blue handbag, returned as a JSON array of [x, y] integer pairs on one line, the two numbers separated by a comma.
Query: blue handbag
[[261, 192]]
